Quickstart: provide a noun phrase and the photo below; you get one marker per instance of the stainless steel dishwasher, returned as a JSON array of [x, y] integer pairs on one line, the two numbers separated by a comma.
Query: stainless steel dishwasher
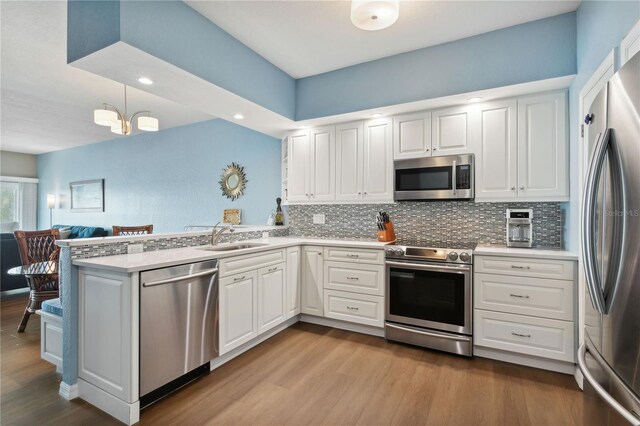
[[178, 326]]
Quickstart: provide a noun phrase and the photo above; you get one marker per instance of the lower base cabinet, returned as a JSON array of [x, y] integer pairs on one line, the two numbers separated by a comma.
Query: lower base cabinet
[[312, 281], [271, 296], [353, 307], [238, 310]]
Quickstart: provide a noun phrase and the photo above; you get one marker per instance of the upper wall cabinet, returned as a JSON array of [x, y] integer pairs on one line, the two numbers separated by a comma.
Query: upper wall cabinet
[[543, 148], [378, 161], [412, 136], [311, 168], [453, 130], [349, 161], [523, 149]]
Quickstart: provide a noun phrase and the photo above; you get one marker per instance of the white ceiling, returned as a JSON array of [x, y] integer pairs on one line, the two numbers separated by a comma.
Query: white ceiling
[[47, 105], [305, 38]]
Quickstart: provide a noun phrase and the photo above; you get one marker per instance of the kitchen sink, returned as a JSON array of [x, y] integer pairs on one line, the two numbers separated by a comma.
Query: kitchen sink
[[233, 247]]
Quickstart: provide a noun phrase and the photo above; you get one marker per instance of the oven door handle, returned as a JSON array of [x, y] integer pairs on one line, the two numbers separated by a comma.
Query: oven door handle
[[458, 269]]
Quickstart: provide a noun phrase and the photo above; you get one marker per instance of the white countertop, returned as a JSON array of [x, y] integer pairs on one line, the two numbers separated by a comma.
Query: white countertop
[[496, 250], [171, 257]]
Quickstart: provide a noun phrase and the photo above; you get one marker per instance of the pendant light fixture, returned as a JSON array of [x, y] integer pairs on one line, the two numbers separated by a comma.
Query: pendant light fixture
[[120, 123], [373, 15]]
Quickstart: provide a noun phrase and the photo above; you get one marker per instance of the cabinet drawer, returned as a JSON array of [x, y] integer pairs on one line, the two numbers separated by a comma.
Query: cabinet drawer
[[354, 255], [234, 265], [527, 296], [359, 308], [354, 277], [522, 334], [525, 267]]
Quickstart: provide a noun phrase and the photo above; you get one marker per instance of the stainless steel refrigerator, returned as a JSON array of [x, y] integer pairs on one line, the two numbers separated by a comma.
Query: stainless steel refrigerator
[[610, 229]]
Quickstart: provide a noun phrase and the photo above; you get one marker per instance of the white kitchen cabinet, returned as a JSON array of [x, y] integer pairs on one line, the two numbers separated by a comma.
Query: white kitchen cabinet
[[354, 307], [238, 310], [349, 161], [412, 136], [312, 281], [378, 161], [543, 147], [497, 154], [322, 164], [298, 167], [293, 281], [453, 130], [272, 297]]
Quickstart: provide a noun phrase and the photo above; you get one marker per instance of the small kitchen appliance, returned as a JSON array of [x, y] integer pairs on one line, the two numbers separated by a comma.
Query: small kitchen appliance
[[519, 228], [429, 292]]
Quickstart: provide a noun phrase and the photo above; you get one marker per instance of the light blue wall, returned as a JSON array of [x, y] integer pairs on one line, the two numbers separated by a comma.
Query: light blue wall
[[532, 51], [601, 26], [169, 178], [177, 34]]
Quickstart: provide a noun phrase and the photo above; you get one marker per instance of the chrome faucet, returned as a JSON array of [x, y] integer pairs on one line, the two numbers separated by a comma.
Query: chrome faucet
[[216, 233]]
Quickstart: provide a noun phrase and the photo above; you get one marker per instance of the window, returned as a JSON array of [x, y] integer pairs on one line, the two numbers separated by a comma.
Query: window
[[18, 202]]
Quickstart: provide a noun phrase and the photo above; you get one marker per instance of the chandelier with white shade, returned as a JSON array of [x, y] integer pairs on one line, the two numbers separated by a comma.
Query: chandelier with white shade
[[118, 121], [372, 15]]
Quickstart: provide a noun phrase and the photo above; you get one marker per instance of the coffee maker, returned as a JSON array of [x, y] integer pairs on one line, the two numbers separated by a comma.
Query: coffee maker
[[519, 229]]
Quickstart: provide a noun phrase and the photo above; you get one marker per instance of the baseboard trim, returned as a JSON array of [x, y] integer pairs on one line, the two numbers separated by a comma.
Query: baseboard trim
[[67, 391], [222, 359], [527, 360], [343, 325], [115, 407]]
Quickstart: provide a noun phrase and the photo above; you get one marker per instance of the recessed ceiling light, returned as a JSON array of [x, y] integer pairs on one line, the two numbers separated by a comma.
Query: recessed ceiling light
[[376, 114], [474, 99], [145, 80], [238, 116]]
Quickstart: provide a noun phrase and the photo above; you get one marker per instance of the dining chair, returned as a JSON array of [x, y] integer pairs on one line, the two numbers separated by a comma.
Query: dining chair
[[38, 247], [132, 230]]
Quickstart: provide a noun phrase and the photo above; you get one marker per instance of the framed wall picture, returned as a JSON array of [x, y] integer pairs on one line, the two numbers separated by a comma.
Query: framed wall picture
[[87, 196]]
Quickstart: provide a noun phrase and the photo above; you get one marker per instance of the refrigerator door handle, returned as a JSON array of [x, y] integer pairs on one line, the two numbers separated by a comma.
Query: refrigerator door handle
[[588, 215], [582, 364]]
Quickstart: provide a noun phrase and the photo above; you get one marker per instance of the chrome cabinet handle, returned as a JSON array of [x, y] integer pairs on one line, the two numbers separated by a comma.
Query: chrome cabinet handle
[[239, 278], [521, 335], [520, 267], [359, 193], [306, 195], [434, 149], [427, 150], [522, 188], [273, 269], [518, 295], [353, 255], [513, 188], [352, 308], [353, 278]]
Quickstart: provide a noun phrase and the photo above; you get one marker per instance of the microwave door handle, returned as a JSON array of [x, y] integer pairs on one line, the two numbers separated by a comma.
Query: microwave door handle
[[454, 176]]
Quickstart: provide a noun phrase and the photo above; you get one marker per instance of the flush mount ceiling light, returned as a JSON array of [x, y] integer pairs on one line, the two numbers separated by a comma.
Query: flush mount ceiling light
[[118, 121], [145, 80], [372, 15], [474, 99]]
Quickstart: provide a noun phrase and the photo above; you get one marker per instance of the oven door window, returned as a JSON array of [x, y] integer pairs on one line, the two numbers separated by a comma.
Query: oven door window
[[424, 179], [427, 295]]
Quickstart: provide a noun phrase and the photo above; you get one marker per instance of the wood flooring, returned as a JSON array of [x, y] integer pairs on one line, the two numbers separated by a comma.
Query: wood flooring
[[307, 374]]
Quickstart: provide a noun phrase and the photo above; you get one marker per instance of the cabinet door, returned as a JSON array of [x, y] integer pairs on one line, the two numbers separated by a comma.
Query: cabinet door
[[238, 310], [271, 296], [378, 161], [349, 161], [312, 297], [497, 156], [293, 281], [543, 147], [322, 168], [298, 167], [453, 130], [412, 136]]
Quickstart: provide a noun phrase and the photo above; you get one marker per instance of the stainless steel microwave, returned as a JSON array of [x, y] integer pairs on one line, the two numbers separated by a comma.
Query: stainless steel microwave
[[434, 178]]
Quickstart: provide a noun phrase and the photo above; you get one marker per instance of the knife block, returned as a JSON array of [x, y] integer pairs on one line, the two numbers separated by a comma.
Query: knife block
[[388, 235]]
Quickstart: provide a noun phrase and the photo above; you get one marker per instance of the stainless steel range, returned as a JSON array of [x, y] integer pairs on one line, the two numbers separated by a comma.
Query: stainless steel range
[[428, 299]]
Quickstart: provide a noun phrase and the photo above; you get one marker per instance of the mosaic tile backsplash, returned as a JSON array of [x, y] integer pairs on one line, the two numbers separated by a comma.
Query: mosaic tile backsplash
[[163, 243], [443, 221]]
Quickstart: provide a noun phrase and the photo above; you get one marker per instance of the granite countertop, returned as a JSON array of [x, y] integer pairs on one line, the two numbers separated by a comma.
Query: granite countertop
[[538, 253], [163, 258]]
